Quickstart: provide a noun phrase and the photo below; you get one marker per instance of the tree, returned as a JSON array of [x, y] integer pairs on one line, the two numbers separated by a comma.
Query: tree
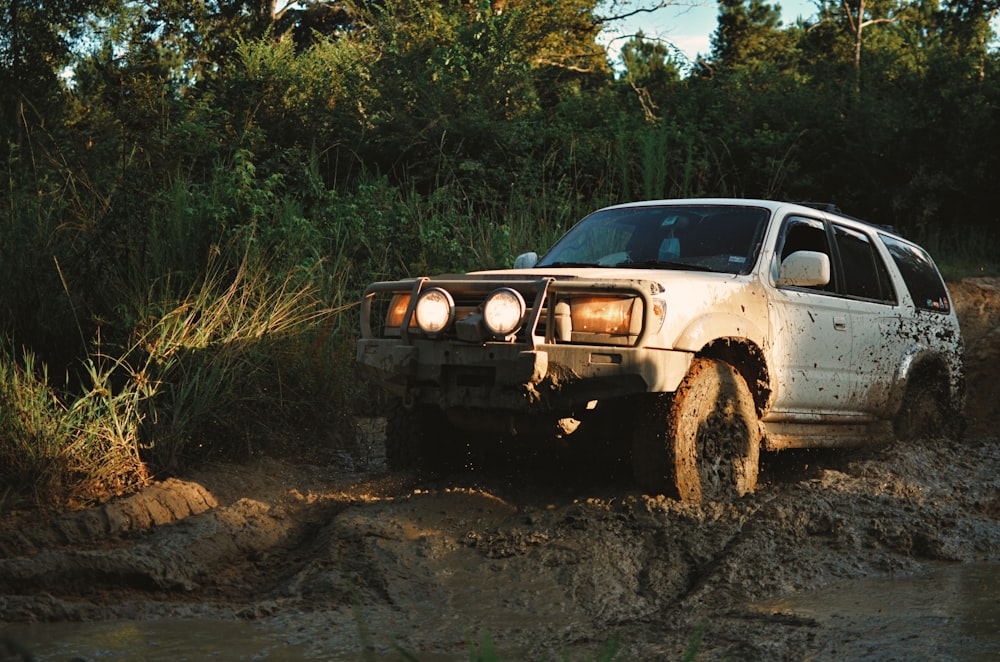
[[748, 34], [461, 80], [36, 42], [853, 16], [651, 70], [967, 26]]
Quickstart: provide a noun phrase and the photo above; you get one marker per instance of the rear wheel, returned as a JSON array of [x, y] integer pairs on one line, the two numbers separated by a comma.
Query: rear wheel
[[927, 411], [703, 441]]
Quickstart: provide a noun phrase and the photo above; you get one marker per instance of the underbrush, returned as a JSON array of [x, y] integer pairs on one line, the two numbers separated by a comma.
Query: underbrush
[[196, 371], [964, 255], [192, 348]]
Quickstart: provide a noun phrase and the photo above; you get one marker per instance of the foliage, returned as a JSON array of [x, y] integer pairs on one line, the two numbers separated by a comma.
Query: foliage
[[218, 345], [190, 364], [58, 451], [748, 35]]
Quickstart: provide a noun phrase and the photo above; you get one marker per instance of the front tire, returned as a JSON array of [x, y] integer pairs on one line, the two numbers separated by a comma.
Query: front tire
[[703, 441], [422, 438]]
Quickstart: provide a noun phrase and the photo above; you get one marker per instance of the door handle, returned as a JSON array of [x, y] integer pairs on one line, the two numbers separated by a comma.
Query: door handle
[[840, 323]]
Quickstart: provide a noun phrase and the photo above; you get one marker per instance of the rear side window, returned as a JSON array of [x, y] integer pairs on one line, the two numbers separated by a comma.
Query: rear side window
[[920, 275], [865, 274]]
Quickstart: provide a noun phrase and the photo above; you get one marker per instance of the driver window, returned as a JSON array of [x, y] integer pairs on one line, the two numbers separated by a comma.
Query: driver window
[[806, 234]]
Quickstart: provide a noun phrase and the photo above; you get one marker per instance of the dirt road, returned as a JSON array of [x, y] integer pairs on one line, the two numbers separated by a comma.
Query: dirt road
[[557, 561]]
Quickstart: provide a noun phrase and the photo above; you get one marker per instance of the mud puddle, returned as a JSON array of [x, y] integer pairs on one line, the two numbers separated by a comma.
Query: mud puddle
[[169, 640], [949, 613], [156, 641]]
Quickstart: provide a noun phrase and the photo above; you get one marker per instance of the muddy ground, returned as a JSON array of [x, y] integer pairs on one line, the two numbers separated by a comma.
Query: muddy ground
[[559, 560]]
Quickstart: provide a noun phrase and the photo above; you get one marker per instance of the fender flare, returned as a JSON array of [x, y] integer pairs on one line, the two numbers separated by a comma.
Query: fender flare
[[918, 357], [701, 331]]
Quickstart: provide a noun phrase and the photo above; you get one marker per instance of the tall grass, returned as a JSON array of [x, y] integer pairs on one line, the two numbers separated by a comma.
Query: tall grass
[[56, 450], [219, 346], [135, 414], [963, 254]]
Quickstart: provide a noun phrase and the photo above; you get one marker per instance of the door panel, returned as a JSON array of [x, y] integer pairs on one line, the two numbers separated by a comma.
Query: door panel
[[882, 337], [812, 345], [811, 330]]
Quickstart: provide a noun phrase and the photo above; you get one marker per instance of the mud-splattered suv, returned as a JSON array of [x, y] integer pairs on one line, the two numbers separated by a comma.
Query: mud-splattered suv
[[694, 332]]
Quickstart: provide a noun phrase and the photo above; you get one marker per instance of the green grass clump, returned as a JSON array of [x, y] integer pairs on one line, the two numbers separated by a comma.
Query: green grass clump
[[218, 347], [56, 450], [187, 369]]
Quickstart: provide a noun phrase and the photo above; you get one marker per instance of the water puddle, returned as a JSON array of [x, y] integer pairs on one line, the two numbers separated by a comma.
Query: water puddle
[[951, 613], [150, 640]]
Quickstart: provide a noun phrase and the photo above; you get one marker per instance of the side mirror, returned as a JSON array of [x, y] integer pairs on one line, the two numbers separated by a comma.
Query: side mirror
[[805, 269], [526, 260]]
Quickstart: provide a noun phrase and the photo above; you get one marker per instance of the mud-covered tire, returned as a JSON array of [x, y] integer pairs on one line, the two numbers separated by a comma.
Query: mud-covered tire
[[703, 441], [422, 439], [927, 411]]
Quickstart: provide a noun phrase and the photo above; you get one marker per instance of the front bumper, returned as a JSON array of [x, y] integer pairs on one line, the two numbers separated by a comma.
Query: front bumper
[[513, 377], [545, 366]]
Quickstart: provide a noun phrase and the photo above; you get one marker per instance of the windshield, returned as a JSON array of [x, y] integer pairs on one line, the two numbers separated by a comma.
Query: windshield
[[721, 238]]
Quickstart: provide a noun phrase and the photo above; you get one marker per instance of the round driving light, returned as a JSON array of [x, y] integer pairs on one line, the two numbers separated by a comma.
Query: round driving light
[[435, 310], [502, 311]]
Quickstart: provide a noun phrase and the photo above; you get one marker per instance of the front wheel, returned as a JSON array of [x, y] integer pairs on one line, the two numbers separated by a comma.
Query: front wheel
[[703, 441], [422, 438]]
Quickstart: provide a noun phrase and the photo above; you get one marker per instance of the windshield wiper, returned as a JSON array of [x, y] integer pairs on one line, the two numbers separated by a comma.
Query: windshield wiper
[[570, 264], [663, 264]]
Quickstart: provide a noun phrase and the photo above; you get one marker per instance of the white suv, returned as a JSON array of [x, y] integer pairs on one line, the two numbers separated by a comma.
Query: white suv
[[695, 331]]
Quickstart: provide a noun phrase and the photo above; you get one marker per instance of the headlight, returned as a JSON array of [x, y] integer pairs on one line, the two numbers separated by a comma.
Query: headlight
[[604, 314], [435, 310], [503, 311]]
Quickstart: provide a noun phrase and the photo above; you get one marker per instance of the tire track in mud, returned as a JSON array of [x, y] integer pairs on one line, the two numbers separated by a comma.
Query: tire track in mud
[[159, 504], [515, 557], [174, 539]]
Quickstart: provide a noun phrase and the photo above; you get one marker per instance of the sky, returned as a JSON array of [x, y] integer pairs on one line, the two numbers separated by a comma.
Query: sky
[[689, 24]]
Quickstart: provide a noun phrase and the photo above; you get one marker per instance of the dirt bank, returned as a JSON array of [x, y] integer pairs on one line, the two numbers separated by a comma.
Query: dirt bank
[[555, 560]]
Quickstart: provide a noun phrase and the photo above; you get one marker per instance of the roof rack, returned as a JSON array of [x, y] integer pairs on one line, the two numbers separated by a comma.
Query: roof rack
[[834, 209], [822, 206]]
